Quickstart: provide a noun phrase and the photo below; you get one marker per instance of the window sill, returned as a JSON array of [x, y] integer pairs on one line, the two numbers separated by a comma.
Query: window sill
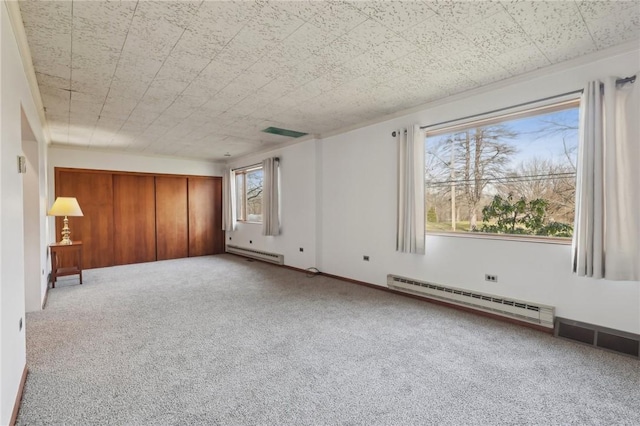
[[503, 237], [246, 221]]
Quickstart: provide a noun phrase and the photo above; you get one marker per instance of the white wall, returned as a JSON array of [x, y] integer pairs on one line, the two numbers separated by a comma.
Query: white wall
[[14, 94], [128, 162], [358, 215], [298, 207]]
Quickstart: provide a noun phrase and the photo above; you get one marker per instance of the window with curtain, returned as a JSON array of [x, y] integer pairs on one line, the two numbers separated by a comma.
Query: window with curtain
[[513, 174], [249, 187]]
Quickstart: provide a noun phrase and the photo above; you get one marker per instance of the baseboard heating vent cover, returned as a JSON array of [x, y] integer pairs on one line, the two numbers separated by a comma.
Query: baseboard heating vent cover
[[601, 337], [517, 309], [266, 256]]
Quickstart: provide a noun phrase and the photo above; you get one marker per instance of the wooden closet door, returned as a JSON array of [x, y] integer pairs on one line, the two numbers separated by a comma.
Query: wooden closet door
[[94, 192], [134, 219], [205, 216], [172, 223]]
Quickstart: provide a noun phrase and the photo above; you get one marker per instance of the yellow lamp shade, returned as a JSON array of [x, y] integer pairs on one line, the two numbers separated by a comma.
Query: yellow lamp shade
[[65, 206]]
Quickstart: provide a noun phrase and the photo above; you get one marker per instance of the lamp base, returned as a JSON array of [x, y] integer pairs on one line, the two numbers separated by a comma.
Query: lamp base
[[66, 233]]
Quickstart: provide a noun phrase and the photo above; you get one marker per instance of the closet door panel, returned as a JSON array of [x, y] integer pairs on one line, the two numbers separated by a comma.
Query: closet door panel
[[94, 192], [205, 217], [172, 223], [134, 219]]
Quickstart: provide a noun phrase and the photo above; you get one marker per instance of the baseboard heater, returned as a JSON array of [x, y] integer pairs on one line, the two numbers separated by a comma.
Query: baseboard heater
[[517, 309], [266, 256]]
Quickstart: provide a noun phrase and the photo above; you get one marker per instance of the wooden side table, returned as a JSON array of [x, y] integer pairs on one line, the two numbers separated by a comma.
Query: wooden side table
[[68, 251]]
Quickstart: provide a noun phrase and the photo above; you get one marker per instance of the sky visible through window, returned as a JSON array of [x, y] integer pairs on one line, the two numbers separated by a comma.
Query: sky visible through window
[[517, 176], [533, 140]]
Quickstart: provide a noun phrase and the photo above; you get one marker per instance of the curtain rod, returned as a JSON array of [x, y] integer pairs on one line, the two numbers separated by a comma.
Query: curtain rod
[[630, 79], [548, 98], [497, 110], [276, 159]]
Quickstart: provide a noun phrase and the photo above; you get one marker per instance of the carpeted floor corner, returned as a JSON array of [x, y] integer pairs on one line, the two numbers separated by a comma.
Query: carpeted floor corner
[[220, 340]]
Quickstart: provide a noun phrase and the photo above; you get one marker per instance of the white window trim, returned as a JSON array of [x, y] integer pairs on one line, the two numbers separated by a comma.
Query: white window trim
[[555, 103]]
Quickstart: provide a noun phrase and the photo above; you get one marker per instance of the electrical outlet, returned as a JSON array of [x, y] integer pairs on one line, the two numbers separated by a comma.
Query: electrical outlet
[[491, 278], [229, 238], [250, 241], [20, 325], [365, 258], [301, 249]]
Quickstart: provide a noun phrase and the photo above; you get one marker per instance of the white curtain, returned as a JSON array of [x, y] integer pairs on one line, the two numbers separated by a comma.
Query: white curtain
[[228, 201], [271, 197], [606, 240], [410, 237]]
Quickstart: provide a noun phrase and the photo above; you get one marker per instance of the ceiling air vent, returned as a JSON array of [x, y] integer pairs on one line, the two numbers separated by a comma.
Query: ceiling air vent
[[284, 132]]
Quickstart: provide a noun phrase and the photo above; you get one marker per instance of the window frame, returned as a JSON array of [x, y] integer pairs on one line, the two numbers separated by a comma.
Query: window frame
[[559, 103], [241, 193]]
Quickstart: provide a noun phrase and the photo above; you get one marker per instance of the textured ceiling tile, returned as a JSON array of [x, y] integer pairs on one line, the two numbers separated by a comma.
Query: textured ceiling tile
[[52, 60], [179, 14], [107, 125], [137, 68], [118, 107], [396, 15], [564, 34], [195, 44], [303, 9], [618, 27], [461, 14], [216, 23], [184, 106], [338, 17], [436, 37], [195, 75], [248, 106], [592, 10], [522, 60], [273, 24], [104, 23], [149, 37], [529, 15], [44, 19], [566, 43], [182, 66], [369, 34], [497, 34], [339, 51], [303, 42], [252, 80], [47, 80], [393, 48]]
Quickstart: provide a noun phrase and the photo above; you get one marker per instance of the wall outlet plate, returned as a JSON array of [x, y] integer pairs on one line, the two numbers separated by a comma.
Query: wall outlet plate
[[365, 258], [491, 278]]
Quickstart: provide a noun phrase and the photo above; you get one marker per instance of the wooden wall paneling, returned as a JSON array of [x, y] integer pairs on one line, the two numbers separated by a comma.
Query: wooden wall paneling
[[134, 239], [205, 216], [172, 225], [94, 192]]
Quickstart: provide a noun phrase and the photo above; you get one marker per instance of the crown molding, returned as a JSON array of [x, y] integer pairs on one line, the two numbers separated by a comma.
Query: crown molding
[[15, 17]]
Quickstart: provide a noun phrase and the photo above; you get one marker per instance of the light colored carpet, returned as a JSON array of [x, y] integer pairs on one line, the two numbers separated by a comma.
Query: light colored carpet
[[220, 340]]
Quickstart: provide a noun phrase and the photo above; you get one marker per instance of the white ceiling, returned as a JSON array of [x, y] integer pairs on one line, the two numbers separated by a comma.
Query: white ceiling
[[202, 78]]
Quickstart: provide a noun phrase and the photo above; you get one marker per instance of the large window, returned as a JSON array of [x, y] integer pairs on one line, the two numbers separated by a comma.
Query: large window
[[249, 194], [513, 174]]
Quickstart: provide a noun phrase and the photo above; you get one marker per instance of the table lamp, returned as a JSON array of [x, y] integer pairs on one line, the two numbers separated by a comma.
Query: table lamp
[[65, 206]]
